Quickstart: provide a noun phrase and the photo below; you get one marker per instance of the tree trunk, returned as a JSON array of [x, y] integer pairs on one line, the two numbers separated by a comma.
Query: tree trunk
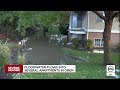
[[45, 29], [5, 31], [44, 33], [107, 42], [67, 37]]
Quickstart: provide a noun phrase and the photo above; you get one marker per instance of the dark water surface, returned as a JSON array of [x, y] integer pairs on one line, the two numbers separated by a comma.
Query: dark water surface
[[41, 53]]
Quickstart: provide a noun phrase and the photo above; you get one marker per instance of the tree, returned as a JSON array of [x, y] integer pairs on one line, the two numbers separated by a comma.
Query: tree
[[44, 31], [64, 24], [27, 19], [108, 19]]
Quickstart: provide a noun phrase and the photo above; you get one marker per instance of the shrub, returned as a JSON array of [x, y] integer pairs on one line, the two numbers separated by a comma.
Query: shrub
[[21, 59], [4, 55], [63, 29], [76, 42], [2, 41], [55, 40], [118, 47], [13, 45], [64, 41], [88, 44]]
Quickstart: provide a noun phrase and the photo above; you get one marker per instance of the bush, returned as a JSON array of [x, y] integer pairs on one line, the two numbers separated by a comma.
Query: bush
[[2, 41], [64, 41], [76, 42], [118, 47], [21, 59], [13, 45], [88, 44], [4, 55], [63, 29]]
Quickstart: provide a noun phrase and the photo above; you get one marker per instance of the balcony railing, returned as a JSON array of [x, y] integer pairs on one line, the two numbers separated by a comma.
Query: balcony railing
[[78, 29]]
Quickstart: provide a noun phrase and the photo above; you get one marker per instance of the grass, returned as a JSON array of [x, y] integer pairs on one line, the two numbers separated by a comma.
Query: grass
[[4, 55], [21, 59], [13, 45], [93, 69]]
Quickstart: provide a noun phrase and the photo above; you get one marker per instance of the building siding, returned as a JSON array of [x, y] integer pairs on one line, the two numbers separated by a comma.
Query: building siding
[[100, 25], [93, 35], [114, 37], [95, 29]]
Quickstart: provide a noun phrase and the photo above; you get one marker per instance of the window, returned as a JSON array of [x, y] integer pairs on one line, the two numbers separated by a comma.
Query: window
[[74, 21], [79, 20], [98, 43], [98, 19]]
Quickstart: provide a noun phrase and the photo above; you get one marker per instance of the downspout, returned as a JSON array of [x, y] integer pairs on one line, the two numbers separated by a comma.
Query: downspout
[[87, 25]]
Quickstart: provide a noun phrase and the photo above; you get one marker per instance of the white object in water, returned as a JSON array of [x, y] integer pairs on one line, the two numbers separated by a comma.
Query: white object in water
[[89, 52], [29, 49], [117, 70], [22, 42], [116, 76], [70, 43]]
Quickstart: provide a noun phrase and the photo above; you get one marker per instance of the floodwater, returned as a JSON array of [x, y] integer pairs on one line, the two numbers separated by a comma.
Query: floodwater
[[41, 53]]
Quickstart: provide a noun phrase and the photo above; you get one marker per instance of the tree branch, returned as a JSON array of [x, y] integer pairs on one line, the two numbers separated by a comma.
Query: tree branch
[[115, 13], [100, 15]]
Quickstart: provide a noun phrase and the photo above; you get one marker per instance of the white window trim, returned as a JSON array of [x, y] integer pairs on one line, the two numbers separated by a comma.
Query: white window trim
[[74, 32], [100, 30], [70, 21], [88, 24], [100, 42]]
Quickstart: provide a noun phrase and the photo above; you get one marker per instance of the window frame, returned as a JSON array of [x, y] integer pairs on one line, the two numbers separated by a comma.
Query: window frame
[[101, 44]]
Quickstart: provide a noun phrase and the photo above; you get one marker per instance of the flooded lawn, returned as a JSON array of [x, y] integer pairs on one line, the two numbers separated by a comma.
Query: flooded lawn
[[41, 53]]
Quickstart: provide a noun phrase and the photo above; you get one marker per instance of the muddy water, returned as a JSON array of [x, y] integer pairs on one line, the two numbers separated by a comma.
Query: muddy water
[[41, 53]]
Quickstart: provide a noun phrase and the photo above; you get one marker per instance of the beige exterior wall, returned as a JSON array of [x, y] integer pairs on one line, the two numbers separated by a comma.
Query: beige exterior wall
[[93, 24]]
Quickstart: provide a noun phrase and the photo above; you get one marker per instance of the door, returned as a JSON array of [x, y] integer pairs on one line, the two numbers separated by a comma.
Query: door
[[82, 40]]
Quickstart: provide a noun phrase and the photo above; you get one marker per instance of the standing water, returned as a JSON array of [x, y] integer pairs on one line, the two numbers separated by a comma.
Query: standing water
[[41, 53]]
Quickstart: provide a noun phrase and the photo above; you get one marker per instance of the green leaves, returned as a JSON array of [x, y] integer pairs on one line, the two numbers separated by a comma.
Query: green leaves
[[31, 18]]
